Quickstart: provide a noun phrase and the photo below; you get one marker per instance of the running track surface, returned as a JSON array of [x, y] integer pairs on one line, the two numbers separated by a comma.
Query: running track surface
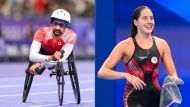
[[44, 90]]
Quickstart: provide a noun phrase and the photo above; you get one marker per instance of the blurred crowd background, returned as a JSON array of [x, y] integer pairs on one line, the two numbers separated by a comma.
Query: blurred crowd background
[[20, 19]]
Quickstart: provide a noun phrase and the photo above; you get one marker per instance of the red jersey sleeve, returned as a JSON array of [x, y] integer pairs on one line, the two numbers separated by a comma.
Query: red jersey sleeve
[[72, 37], [39, 35]]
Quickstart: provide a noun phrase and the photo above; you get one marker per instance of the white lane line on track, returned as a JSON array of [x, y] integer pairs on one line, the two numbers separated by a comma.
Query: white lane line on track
[[45, 84], [40, 77], [63, 103], [51, 92]]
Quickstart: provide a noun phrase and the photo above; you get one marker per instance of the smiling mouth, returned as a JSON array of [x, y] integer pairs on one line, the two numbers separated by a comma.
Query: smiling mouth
[[149, 27]]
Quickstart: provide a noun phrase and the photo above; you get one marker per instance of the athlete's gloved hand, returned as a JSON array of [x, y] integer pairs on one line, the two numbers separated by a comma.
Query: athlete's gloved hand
[[57, 55], [62, 52], [34, 69]]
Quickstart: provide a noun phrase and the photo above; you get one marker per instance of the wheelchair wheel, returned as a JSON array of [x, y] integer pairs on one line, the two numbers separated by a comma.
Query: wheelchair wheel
[[60, 81], [27, 85], [74, 78]]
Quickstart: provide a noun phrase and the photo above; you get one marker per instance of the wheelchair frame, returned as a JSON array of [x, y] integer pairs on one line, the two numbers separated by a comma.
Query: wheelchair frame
[[59, 73]]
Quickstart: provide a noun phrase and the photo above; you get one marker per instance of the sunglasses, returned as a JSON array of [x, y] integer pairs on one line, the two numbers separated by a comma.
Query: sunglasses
[[62, 25]]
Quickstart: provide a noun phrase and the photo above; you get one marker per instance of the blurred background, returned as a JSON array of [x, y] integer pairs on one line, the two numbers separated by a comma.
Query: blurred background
[[20, 19], [172, 23]]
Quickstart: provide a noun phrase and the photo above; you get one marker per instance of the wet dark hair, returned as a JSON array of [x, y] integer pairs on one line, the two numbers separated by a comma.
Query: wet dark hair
[[135, 16]]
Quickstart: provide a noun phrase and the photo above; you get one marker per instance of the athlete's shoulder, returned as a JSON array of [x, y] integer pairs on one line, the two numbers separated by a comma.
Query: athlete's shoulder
[[47, 28], [125, 43], [159, 40], [43, 30], [70, 32], [41, 33], [70, 35]]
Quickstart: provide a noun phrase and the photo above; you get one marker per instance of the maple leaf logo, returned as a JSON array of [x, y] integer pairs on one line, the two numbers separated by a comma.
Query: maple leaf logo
[[148, 66]]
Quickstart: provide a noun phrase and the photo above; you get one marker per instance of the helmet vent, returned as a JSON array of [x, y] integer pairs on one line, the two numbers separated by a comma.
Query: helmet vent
[[61, 14]]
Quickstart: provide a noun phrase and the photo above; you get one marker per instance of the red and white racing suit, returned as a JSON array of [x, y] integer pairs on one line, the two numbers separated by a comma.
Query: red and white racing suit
[[43, 44]]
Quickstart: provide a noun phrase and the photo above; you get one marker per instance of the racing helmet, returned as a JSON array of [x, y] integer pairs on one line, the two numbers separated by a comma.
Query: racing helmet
[[61, 14]]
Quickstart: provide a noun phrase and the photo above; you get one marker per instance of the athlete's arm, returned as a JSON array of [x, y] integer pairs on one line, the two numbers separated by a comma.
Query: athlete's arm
[[107, 72], [168, 61], [68, 46], [34, 53], [68, 49]]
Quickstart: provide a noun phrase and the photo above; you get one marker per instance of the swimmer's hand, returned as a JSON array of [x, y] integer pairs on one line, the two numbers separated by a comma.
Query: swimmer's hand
[[135, 81]]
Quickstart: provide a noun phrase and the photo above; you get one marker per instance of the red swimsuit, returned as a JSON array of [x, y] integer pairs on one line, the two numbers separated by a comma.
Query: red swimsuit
[[143, 64]]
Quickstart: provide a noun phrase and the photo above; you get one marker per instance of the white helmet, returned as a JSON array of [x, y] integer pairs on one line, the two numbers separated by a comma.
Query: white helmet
[[61, 14]]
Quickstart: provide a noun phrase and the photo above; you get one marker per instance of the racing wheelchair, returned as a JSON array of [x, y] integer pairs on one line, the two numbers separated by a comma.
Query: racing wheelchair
[[57, 70]]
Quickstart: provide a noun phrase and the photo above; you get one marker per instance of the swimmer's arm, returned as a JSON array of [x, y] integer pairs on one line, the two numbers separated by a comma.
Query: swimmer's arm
[[106, 71], [168, 61]]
